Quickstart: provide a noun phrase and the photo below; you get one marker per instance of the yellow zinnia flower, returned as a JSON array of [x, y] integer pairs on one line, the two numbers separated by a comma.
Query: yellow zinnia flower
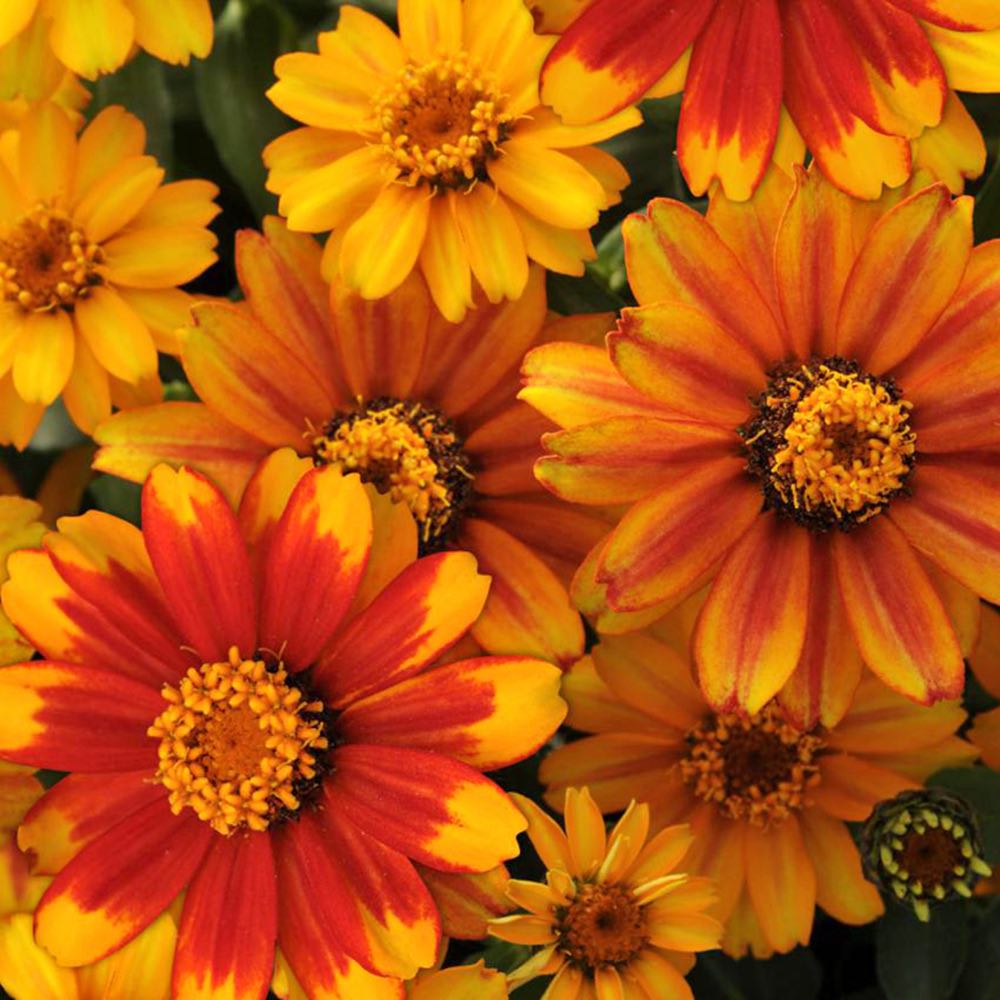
[[20, 528], [431, 149], [614, 917], [92, 245], [97, 37], [768, 800]]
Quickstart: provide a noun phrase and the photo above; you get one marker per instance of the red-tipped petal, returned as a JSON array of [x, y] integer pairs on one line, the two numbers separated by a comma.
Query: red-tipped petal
[[897, 618], [488, 712], [732, 99], [315, 561], [426, 609], [225, 945], [201, 560], [752, 627], [431, 808], [69, 718], [120, 883]]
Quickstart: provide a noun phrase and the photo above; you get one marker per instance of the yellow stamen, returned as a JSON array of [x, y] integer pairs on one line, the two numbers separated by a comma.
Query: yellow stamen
[[848, 447], [237, 743], [757, 768], [602, 925], [46, 262], [440, 122]]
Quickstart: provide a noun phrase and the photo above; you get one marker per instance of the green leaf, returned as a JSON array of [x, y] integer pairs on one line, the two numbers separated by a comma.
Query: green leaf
[[230, 85], [532, 990], [503, 955], [980, 787], [141, 87], [118, 497], [580, 295], [795, 975], [609, 268], [921, 961], [981, 975], [986, 220]]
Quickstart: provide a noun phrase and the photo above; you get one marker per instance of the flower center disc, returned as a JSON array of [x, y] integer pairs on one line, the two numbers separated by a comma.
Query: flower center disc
[[410, 452], [442, 121], [46, 262], [830, 445], [603, 925], [239, 744], [757, 769]]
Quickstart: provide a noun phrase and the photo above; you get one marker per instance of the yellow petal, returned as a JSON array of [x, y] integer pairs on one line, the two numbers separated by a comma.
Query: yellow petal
[[92, 36], [120, 340], [427, 28], [44, 357], [444, 262], [493, 242]]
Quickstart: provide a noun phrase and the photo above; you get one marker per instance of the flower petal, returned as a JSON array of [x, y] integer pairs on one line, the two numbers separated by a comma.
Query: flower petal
[[67, 717], [315, 560], [781, 881], [43, 358], [493, 242], [732, 99], [426, 609], [201, 560], [906, 273], [427, 806], [752, 628], [897, 618], [118, 884], [229, 925], [120, 340], [92, 36], [850, 786], [671, 252], [669, 539]]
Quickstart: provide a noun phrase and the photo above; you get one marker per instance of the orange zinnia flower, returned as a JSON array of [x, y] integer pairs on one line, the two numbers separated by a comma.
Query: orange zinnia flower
[[424, 410], [804, 409], [94, 38], [768, 802], [857, 79], [614, 917], [92, 245], [246, 705], [432, 150]]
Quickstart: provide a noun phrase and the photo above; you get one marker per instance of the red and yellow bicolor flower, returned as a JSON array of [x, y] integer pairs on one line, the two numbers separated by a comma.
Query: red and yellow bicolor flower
[[92, 247], [246, 706], [767, 801], [421, 408], [805, 408], [869, 85], [614, 918], [99, 36], [432, 151]]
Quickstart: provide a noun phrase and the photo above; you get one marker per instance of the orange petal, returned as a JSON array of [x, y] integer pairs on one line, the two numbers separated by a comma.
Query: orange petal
[[906, 273], [841, 887], [671, 252], [781, 881], [668, 540], [850, 787], [752, 628], [897, 618]]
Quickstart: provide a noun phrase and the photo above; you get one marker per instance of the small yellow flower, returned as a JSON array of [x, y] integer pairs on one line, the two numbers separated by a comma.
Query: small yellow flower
[[92, 247], [97, 37], [20, 528], [432, 150], [614, 917]]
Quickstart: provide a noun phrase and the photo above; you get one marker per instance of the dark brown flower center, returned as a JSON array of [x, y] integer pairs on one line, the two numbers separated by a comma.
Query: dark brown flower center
[[603, 925]]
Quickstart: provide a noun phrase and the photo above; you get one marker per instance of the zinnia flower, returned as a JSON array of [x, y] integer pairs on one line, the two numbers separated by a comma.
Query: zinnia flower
[[985, 663], [92, 245], [424, 410], [245, 705], [20, 528], [614, 917], [857, 80], [432, 150], [802, 409], [767, 801], [140, 969], [92, 38]]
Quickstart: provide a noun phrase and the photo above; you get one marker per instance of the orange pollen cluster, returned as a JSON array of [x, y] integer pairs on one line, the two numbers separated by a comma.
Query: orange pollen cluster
[[46, 262], [848, 447], [442, 121], [237, 743], [603, 925], [756, 768]]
